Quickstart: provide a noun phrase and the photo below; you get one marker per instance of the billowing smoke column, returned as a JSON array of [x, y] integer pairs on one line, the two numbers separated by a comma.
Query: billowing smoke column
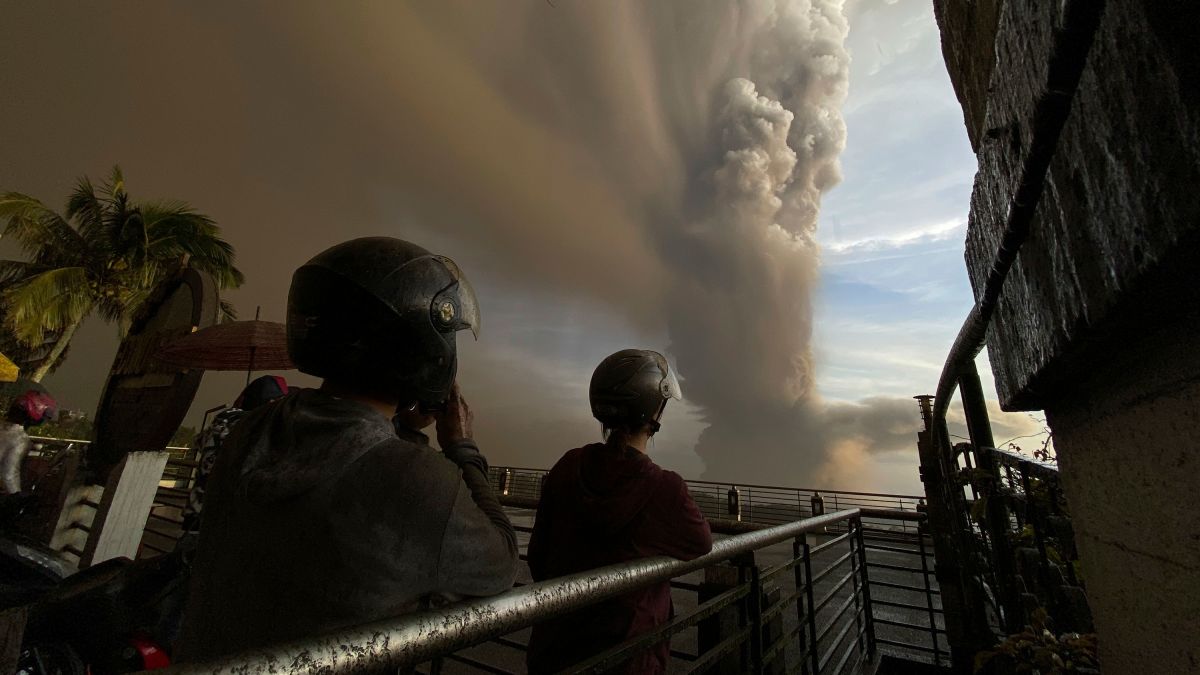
[[740, 312], [652, 164]]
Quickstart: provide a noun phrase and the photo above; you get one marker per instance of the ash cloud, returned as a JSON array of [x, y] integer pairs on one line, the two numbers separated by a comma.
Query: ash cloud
[[663, 159]]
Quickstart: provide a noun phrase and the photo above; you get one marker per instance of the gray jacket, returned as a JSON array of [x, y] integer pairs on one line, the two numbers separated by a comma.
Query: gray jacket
[[318, 516]]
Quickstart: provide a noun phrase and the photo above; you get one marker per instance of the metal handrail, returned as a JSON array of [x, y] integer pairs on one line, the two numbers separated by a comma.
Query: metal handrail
[[691, 481], [51, 439], [1015, 459], [415, 638]]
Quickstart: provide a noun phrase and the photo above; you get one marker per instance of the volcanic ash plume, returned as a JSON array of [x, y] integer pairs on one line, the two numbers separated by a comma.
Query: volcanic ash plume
[[740, 312]]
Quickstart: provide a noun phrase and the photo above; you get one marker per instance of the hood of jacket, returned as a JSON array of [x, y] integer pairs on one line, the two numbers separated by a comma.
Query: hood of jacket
[[613, 485], [303, 440]]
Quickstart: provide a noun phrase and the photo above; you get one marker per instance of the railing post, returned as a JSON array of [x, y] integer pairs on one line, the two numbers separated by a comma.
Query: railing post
[[800, 552], [754, 607], [733, 502], [814, 653], [866, 589], [933, 630]]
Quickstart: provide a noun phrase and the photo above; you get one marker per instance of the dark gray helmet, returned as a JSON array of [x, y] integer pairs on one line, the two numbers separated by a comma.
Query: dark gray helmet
[[631, 388], [381, 313]]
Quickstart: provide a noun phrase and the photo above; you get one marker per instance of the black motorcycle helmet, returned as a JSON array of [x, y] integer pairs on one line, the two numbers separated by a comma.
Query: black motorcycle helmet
[[381, 313], [631, 388]]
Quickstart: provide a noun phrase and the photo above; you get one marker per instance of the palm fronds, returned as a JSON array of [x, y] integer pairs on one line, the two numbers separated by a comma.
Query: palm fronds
[[50, 300], [106, 255]]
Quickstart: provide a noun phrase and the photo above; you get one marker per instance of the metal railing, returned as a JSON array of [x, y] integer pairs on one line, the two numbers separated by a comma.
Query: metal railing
[[1022, 528], [810, 612], [761, 504]]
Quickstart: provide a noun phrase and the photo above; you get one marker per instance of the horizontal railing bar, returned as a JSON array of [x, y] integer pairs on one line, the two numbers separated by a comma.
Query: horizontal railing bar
[[683, 656], [726, 484], [893, 514], [900, 624], [685, 586], [852, 648], [782, 567], [413, 638], [833, 592], [906, 645], [891, 549], [901, 605], [898, 568], [828, 544], [833, 566], [168, 519], [781, 605], [511, 644], [71, 549], [783, 642], [1016, 460], [837, 642], [628, 649], [719, 650], [834, 619], [152, 547], [474, 663], [902, 587]]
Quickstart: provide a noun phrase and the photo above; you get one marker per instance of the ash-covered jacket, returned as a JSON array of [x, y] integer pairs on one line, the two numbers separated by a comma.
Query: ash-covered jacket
[[601, 506], [318, 516]]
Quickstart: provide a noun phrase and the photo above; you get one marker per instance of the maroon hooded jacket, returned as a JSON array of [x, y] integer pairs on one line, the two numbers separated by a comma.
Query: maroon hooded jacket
[[601, 506]]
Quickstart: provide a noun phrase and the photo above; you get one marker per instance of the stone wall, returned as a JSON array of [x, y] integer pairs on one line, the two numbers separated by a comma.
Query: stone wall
[[1119, 200], [1099, 317]]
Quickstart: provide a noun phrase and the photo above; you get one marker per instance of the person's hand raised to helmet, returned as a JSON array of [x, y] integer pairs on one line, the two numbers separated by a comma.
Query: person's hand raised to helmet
[[454, 419]]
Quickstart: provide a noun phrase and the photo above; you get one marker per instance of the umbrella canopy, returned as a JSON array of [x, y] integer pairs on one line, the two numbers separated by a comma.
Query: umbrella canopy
[[8, 370], [235, 345]]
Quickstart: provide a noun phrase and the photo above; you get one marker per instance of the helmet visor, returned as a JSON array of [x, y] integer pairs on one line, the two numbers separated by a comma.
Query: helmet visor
[[669, 386], [463, 310]]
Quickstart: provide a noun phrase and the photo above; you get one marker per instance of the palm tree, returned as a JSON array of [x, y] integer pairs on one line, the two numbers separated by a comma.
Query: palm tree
[[104, 256]]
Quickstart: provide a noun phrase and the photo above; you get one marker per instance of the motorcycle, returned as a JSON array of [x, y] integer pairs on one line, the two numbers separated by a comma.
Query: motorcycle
[[118, 616]]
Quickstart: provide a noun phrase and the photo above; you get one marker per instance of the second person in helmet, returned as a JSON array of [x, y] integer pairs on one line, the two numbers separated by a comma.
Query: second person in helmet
[[606, 503], [319, 513]]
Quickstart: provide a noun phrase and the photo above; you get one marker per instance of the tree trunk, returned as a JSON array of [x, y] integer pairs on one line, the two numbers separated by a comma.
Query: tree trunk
[[56, 352]]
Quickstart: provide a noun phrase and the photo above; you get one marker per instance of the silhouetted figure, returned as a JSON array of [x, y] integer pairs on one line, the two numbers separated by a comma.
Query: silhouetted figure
[[606, 503], [319, 514], [29, 409]]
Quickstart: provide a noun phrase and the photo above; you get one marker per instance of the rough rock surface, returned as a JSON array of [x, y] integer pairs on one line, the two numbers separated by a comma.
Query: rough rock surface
[[1098, 318], [1119, 205]]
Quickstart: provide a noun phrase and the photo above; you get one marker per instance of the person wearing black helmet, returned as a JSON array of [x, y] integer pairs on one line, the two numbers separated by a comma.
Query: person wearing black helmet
[[606, 503], [320, 514]]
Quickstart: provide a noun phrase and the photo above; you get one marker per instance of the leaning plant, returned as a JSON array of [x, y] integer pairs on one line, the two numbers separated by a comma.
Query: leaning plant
[[104, 255]]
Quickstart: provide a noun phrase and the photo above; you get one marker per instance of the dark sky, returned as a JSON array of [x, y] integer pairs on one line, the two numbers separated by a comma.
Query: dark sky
[[608, 174]]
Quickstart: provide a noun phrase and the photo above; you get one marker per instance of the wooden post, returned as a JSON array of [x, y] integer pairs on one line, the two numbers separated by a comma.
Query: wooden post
[[121, 519]]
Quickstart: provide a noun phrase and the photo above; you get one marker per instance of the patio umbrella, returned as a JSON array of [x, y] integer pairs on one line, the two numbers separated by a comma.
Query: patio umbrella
[[235, 345], [8, 370]]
